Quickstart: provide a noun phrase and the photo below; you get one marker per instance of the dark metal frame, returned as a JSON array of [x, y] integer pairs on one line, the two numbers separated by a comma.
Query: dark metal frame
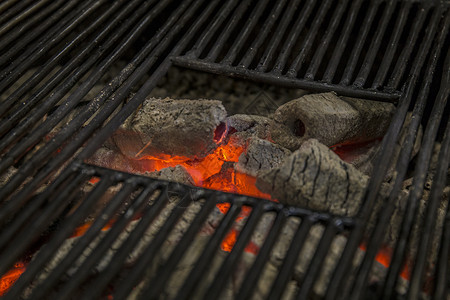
[[195, 35]]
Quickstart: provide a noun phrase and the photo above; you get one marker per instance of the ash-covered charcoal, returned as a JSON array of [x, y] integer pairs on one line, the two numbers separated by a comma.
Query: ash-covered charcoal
[[261, 156], [175, 174], [315, 177], [330, 119], [250, 126], [190, 128]]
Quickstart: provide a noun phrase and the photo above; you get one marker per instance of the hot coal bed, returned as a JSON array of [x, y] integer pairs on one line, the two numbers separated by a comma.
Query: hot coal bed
[[224, 149]]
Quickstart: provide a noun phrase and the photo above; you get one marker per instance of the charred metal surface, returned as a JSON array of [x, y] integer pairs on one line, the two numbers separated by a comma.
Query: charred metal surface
[[55, 54]]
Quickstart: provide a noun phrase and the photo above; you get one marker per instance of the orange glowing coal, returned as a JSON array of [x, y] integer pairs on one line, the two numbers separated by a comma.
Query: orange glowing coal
[[7, 280], [215, 171]]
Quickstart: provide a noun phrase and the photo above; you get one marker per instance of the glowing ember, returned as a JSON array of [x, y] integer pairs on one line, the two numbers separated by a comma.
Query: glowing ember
[[229, 241], [7, 280], [384, 258]]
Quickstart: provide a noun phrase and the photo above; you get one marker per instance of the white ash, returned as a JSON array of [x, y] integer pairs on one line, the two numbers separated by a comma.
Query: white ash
[[315, 177], [174, 174], [261, 156], [248, 126], [330, 119], [174, 127]]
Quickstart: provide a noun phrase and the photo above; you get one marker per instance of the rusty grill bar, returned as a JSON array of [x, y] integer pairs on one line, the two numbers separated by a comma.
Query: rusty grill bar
[[387, 50]]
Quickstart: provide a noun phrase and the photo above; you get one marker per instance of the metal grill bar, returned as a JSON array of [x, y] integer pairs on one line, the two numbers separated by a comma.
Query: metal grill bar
[[290, 41], [392, 46], [155, 287], [348, 72], [243, 35], [32, 34], [32, 54], [240, 10], [342, 42], [23, 15], [53, 205], [30, 22], [276, 38], [318, 259], [308, 42], [96, 287], [248, 285], [375, 45], [320, 52], [228, 264], [251, 51], [208, 253], [402, 166], [383, 163], [287, 268], [38, 264]]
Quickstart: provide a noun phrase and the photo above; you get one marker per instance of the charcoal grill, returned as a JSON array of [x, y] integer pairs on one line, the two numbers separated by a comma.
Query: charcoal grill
[[54, 52]]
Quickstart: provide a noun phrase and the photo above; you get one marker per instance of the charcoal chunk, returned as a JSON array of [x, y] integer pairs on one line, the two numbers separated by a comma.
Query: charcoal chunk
[[329, 119], [261, 156], [175, 127], [175, 174], [315, 177]]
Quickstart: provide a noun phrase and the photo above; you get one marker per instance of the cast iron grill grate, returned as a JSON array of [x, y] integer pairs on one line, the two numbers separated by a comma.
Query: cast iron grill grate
[[53, 53]]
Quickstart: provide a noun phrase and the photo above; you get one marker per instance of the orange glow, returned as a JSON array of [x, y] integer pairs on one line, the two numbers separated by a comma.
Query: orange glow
[[230, 239], [7, 280], [94, 180], [384, 257], [209, 172]]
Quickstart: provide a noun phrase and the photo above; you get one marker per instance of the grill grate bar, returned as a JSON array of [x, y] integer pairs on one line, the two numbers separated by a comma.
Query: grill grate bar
[[402, 61], [107, 214], [208, 34], [288, 265], [15, 9], [87, 131], [430, 221], [256, 44], [6, 4], [27, 236], [235, 17], [243, 35], [41, 260], [325, 42], [290, 41], [401, 169], [155, 287], [99, 284], [208, 252], [231, 260], [135, 275], [276, 38], [26, 40], [369, 59], [33, 53], [18, 31], [22, 16], [319, 258], [63, 73], [383, 163], [342, 42], [392, 46], [443, 270], [356, 52], [74, 99], [423, 162], [309, 40], [249, 283]]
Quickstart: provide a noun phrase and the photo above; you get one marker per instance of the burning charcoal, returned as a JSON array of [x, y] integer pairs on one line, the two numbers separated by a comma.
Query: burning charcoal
[[250, 126], [329, 119], [261, 156], [191, 128], [316, 177], [175, 174]]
